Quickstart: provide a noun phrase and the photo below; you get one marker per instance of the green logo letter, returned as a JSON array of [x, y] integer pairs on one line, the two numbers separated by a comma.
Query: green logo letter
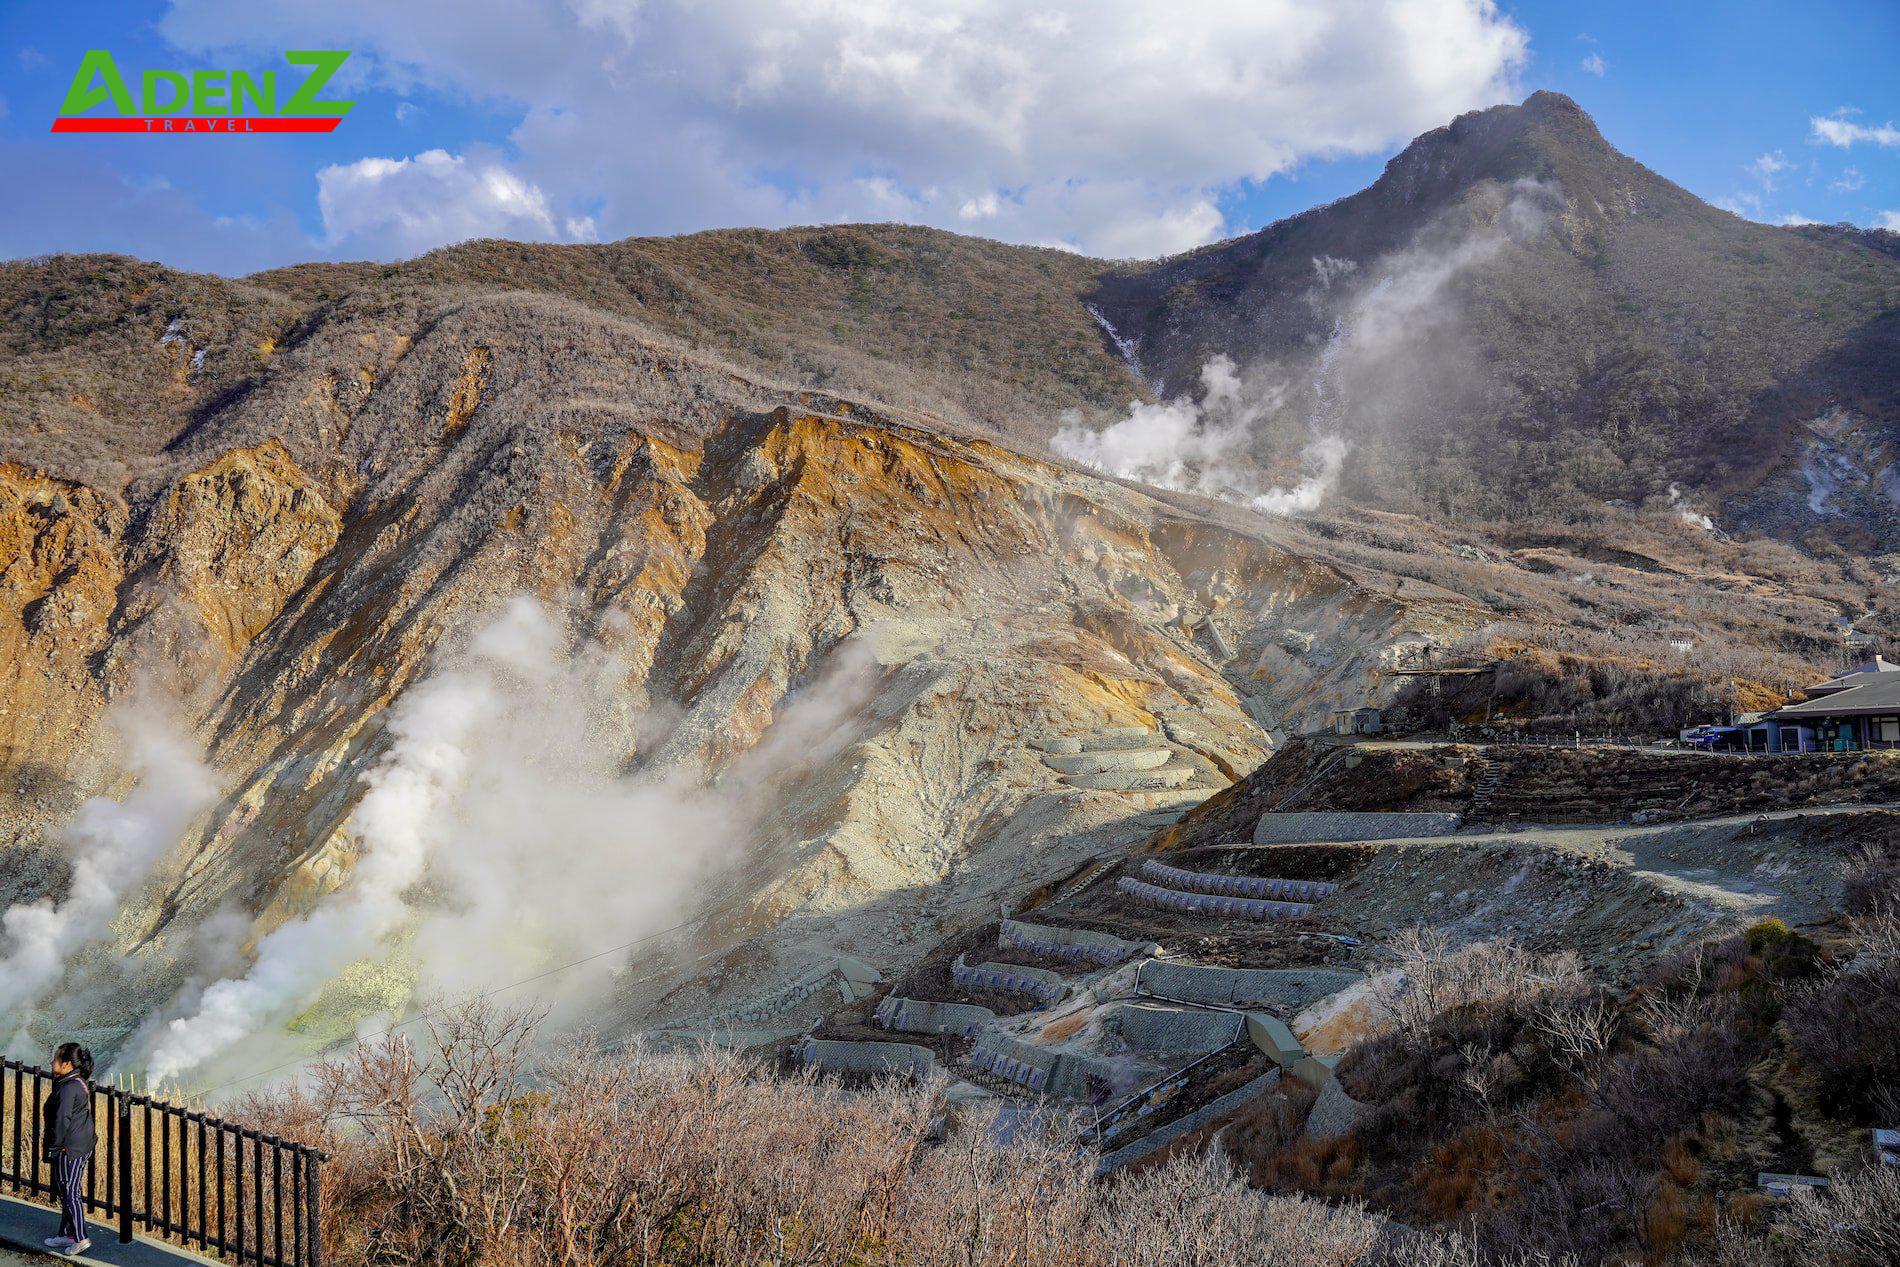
[[82, 96], [148, 88], [323, 63]]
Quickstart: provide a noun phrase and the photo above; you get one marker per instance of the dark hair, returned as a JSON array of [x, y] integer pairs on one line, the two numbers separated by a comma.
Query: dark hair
[[76, 1056]]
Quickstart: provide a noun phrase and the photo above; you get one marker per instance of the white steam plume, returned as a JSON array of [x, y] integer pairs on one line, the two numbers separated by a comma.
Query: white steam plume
[[397, 824], [112, 846], [1202, 446], [1185, 445], [1689, 514], [498, 835]]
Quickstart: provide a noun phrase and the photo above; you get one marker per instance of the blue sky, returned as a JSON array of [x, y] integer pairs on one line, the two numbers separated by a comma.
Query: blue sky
[[1118, 127]]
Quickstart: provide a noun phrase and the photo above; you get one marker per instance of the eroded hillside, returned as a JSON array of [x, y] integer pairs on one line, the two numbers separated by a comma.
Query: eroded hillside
[[310, 553]]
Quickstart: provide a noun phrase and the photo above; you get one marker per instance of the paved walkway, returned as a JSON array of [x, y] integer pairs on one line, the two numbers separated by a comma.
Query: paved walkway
[[24, 1228]]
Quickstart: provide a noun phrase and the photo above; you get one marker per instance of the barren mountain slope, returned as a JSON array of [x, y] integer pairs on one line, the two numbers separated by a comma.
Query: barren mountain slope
[[1542, 312], [721, 539]]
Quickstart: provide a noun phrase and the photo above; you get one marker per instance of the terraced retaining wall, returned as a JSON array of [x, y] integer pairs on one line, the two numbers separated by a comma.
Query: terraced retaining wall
[[783, 999], [1341, 825], [1165, 1135], [1175, 1030], [1039, 982], [842, 1056], [1058, 1073], [1289, 988], [922, 1016], [1078, 944], [1235, 885], [1210, 904]]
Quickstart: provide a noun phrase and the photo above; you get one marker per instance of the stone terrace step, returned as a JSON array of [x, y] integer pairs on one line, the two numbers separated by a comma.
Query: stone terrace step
[[1078, 945], [924, 1016], [845, 1056], [1234, 885], [1015, 978], [1209, 904], [1110, 734], [1094, 762], [1167, 776], [1115, 743]]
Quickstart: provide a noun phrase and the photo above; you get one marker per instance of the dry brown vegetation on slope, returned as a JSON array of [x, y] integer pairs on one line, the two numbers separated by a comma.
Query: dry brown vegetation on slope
[[1524, 1121], [464, 1149], [1544, 1117], [960, 331]]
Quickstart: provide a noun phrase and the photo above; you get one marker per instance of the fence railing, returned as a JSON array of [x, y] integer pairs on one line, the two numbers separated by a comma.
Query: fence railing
[[180, 1175]]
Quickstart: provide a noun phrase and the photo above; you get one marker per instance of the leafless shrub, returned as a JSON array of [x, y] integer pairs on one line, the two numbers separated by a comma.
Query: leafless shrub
[[1870, 881], [1853, 1223], [1843, 1025], [1581, 1029], [1435, 976], [1196, 1210], [464, 1148]]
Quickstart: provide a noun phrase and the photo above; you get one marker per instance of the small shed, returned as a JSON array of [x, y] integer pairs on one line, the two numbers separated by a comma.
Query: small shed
[[1357, 721]]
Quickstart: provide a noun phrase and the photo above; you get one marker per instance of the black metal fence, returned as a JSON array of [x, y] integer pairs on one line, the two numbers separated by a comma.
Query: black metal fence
[[184, 1176]]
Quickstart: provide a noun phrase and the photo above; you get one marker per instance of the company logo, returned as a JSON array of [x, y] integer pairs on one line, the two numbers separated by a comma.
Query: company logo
[[174, 103]]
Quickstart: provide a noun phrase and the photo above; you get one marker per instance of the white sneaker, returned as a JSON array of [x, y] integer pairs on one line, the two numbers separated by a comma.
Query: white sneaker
[[58, 1242], [76, 1247]]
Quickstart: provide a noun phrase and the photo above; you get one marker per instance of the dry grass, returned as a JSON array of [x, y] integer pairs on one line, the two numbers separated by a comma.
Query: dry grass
[[467, 1148]]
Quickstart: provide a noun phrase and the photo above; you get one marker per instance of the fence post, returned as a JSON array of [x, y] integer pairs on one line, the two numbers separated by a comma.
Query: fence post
[[124, 1166], [313, 1211]]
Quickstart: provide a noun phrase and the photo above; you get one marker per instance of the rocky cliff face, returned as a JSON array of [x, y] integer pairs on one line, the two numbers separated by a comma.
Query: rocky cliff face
[[727, 542]]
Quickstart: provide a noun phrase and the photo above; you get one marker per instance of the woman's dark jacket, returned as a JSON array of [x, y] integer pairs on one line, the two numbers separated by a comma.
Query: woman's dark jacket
[[67, 1118]]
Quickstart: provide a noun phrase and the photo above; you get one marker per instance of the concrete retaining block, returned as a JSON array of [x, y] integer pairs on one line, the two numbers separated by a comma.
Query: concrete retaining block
[[1314, 1071], [1235, 885], [1333, 1113], [1079, 945], [842, 1056], [1062, 1074], [1271, 1035], [1175, 1030], [1334, 826], [1209, 904], [1039, 982], [1291, 989], [1165, 1135], [1102, 762], [1111, 734], [923, 1016], [1165, 776]]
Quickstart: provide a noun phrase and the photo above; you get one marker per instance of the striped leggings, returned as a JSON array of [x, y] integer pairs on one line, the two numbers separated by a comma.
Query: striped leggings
[[69, 1182]]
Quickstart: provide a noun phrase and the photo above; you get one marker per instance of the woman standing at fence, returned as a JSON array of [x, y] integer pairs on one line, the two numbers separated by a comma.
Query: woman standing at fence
[[66, 1138]]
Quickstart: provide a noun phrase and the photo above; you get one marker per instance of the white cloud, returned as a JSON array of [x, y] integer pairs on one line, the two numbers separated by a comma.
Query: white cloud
[[984, 208], [1849, 181], [1888, 220], [406, 110], [400, 206], [1767, 167], [1796, 218], [1103, 127], [1835, 130], [1595, 65]]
